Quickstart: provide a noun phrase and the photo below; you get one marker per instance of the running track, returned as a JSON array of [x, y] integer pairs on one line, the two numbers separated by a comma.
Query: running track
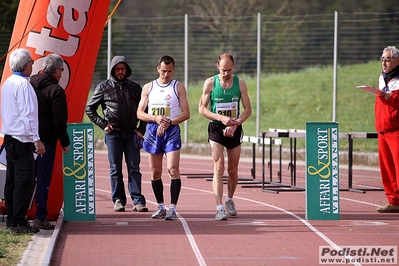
[[270, 228]]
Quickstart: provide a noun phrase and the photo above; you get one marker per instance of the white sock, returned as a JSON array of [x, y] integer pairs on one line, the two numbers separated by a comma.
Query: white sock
[[161, 206], [172, 207], [219, 207], [227, 198]]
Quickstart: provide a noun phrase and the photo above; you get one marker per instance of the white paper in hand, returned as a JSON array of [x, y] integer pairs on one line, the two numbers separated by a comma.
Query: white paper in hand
[[371, 90]]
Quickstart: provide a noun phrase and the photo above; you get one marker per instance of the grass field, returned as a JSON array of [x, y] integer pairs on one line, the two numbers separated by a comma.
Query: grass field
[[12, 246], [288, 101]]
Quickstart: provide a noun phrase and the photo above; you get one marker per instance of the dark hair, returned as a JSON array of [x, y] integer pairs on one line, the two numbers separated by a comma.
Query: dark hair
[[226, 55], [167, 60]]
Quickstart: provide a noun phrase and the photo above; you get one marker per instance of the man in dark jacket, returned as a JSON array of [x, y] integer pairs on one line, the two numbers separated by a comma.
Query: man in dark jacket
[[119, 97], [53, 116]]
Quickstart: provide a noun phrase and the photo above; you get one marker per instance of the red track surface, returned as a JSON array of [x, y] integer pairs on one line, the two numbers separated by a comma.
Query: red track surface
[[270, 228]]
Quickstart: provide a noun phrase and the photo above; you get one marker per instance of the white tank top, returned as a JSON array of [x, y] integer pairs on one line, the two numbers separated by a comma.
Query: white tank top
[[163, 99]]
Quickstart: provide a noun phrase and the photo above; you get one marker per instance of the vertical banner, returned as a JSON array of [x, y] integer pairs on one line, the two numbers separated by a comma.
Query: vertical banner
[[322, 171], [79, 185], [73, 29]]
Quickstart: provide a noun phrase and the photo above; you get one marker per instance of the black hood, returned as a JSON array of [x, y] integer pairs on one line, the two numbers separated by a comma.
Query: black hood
[[42, 80], [117, 60]]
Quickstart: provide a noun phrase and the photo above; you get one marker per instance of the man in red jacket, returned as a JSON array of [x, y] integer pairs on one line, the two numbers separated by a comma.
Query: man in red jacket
[[387, 125]]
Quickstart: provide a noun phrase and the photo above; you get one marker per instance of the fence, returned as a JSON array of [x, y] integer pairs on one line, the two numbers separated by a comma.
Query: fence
[[260, 43], [287, 43]]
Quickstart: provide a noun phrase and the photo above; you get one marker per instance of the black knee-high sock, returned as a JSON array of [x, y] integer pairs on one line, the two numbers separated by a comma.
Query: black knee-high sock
[[157, 187], [175, 186]]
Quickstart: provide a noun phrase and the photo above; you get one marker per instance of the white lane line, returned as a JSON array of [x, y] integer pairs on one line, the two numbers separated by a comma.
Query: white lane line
[[186, 228], [359, 201], [311, 227], [191, 239], [197, 251]]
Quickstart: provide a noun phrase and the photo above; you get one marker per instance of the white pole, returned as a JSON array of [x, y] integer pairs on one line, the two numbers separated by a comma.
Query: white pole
[[334, 116], [186, 69], [109, 48], [259, 62]]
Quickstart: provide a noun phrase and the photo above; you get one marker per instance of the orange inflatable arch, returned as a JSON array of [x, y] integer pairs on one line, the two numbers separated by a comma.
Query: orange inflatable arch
[[72, 29]]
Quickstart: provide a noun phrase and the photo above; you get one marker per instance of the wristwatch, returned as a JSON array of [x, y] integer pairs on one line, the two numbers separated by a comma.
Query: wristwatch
[[170, 122]]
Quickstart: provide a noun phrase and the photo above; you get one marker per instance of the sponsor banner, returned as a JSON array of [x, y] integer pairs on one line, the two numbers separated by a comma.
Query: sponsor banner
[[322, 171], [79, 187], [359, 255], [73, 29]]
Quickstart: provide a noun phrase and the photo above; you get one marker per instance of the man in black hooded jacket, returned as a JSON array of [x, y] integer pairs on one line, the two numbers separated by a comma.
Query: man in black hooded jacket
[[119, 97], [53, 117]]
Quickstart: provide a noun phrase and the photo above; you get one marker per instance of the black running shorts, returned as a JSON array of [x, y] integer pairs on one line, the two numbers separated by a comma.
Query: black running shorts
[[215, 133]]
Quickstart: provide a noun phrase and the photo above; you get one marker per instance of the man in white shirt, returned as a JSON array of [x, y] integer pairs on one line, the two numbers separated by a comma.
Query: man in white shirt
[[19, 116]]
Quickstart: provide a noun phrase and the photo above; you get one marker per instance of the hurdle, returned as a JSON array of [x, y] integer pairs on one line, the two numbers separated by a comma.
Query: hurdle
[[241, 180], [252, 182], [279, 186], [263, 141], [351, 137], [293, 135]]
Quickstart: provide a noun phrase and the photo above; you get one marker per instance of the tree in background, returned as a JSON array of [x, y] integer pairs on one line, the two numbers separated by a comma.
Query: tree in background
[[8, 11], [221, 26]]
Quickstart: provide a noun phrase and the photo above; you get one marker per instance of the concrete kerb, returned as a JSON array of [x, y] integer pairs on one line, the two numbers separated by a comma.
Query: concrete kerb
[[41, 247], [40, 250], [53, 239]]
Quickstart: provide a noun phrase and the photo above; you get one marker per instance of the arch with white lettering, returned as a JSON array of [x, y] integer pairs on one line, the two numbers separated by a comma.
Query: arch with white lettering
[[72, 29]]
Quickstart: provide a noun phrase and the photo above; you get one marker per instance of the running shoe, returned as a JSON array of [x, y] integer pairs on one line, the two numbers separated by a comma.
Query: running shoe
[[231, 208], [220, 215], [159, 214], [171, 214]]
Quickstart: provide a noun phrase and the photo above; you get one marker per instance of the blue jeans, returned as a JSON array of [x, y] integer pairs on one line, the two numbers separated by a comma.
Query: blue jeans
[[120, 143], [44, 171]]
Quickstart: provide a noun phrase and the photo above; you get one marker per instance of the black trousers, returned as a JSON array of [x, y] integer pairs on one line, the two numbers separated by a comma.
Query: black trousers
[[20, 180]]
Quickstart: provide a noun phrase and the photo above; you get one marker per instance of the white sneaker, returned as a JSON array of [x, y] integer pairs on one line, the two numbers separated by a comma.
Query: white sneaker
[[231, 208], [159, 214], [220, 215], [171, 214], [118, 206]]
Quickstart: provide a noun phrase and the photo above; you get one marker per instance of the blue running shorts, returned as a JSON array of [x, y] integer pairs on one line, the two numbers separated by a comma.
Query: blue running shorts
[[171, 140]]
